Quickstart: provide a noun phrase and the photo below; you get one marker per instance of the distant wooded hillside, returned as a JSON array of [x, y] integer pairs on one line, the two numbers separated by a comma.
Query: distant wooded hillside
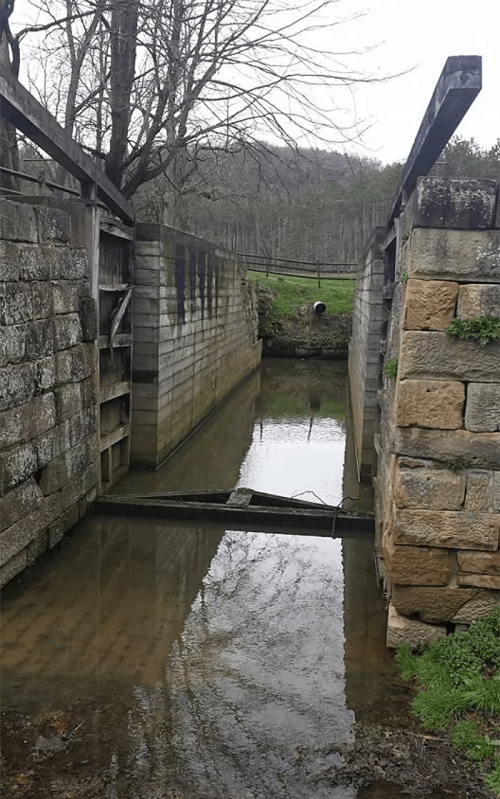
[[277, 202], [309, 205]]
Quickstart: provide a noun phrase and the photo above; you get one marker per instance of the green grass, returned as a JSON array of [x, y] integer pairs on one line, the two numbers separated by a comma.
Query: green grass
[[296, 407], [459, 691], [292, 292]]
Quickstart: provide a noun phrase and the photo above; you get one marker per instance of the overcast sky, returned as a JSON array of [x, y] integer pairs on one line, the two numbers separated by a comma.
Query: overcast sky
[[421, 35], [416, 38]]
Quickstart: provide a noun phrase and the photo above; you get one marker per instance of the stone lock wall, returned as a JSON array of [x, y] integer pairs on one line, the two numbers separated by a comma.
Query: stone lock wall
[[195, 336], [48, 381], [438, 481]]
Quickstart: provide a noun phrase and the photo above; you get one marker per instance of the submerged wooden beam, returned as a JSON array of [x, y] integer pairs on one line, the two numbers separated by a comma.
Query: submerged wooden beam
[[247, 510], [458, 86]]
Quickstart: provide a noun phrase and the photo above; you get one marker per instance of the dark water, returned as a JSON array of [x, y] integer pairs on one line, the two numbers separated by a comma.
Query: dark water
[[163, 660]]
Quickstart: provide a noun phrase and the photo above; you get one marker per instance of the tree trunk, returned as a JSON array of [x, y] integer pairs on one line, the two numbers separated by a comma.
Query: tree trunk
[[9, 152], [123, 48]]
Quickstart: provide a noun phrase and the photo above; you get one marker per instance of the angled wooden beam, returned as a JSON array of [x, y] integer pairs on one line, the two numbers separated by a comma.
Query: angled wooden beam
[[457, 87], [21, 109]]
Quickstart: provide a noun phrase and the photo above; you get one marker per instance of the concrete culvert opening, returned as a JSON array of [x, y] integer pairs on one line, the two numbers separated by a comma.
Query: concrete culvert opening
[[319, 308]]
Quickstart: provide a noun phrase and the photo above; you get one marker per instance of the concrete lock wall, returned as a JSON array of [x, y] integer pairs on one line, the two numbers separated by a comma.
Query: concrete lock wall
[[48, 381], [364, 349], [195, 336], [438, 482]]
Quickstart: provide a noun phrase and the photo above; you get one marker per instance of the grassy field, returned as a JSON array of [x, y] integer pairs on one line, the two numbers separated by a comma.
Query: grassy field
[[292, 292]]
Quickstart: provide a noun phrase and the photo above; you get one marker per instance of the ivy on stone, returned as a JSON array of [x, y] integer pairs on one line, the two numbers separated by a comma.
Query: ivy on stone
[[482, 329]]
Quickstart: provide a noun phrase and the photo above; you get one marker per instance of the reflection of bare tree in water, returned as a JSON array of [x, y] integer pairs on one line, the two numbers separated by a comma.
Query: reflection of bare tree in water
[[258, 669]]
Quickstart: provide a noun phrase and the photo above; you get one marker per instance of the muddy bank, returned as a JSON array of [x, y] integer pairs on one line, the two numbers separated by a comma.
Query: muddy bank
[[303, 334], [52, 756]]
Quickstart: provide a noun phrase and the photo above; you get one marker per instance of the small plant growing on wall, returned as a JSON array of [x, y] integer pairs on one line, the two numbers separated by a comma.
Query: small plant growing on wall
[[483, 329], [391, 368]]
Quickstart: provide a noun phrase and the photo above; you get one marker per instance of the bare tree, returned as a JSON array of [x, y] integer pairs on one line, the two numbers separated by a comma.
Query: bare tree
[[9, 57], [149, 87]]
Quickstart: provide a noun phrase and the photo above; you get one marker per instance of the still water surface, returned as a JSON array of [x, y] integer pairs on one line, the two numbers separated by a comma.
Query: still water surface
[[164, 660]]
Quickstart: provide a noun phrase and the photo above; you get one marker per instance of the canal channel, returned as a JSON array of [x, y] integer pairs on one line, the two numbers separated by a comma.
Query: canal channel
[[147, 660]]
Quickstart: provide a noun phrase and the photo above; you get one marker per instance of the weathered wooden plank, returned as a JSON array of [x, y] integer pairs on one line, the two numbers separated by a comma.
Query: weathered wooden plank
[[108, 439], [319, 521], [22, 110], [458, 86]]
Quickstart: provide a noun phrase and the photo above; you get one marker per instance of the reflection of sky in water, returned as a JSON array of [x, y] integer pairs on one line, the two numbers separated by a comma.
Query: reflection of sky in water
[[258, 672], [289, 457]]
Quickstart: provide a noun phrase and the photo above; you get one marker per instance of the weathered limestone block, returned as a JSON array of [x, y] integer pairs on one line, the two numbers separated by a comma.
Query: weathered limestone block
[[12, 344], [478, 300], [430, 403], [479, 490], [35, 261], [74, 490], [496, 490], [407, 565], [83, 362], [45, 373], [20, 424], [69, 264], [76, 459], [66, 296], [431, 604], [426, 355], [17, 465], [429, 304], [47, 447], [460, 449], [64, 366], [17, 222], [68, 401], [463, 255], [16, 303], [416, 633], [417, 486], [9, 259], [42, 299], [19, 502], [479, 580], [477, 607], [482, 410], [479, 562], [53, 476], [54, 224], [15, 538], [39, 339], [71, 432], [17, 384], [454, 529], [461, 203], [67, 331]]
